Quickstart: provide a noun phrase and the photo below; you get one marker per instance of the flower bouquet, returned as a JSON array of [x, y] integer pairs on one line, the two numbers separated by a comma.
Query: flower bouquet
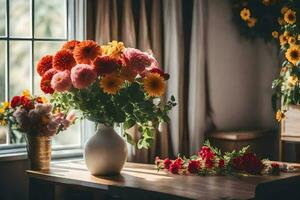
[[109, 84], [211, 161], [34, 116]]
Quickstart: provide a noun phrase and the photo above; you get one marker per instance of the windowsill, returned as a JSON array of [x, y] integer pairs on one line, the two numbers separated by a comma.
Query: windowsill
[[21, 154]]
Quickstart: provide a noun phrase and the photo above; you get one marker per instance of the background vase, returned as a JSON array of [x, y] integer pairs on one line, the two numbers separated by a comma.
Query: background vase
[[106, 152], [39, 152]]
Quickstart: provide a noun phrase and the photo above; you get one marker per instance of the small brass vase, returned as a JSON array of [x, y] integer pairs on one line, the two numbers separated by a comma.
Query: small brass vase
[[39, 152]]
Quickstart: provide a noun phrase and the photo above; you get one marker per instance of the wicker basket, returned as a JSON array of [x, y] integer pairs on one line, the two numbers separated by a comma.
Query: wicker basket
[[39, 152]]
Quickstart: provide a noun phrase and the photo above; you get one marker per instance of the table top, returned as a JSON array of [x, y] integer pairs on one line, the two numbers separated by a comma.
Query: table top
[[145, 177]]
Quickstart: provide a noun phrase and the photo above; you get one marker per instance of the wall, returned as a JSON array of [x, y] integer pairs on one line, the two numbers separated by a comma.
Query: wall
[[240, 74]]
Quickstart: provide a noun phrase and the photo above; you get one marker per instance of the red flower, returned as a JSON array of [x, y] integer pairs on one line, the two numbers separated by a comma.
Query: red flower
[[194, 166], [39, 100], [221, 163], [86, 51], [209, 163], [26, 103], [158, 71], [275, 165], [179, 162], [106, 65], [174, 168], [46, 81], [167, 163], [70, 45], [248, 163], [64, 60], [206, 153], [15, 101], [44, 64]]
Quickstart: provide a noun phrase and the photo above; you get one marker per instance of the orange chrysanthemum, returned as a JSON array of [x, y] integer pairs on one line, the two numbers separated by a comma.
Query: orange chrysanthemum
[[70, 45], [63, 60], [44, 64], [290, 17], [111, 83], [128, 74], [86, 51], [293, 54], [154, 84]]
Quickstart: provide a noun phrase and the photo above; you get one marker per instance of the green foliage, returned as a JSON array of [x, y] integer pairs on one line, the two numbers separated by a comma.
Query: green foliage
[[129, 106]]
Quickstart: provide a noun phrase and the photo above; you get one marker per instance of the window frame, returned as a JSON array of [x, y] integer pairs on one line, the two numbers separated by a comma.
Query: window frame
[[75, 29]]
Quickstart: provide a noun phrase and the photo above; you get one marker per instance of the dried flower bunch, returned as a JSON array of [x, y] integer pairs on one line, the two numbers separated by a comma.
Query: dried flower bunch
[[109, 84], [33, 115]]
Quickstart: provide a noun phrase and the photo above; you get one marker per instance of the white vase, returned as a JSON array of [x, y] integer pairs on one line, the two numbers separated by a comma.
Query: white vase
[[106, 152]]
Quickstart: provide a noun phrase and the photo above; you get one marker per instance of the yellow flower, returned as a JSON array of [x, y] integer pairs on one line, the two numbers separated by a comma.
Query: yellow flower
[[2, 110], [154, 85], [111, 83], [283, 39], [26, 93], [280, 21], [284, 9], [293, 54], [290, 16], [113, 48], [5, 105], [287, 34], [275, 34], [292, 40], [298, 37], [251, 22], [245, 14], [3, 122], [280, 115], [292, 81]]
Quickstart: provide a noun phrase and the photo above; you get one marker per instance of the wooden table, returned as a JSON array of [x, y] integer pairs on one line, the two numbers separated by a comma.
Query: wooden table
[[141, 181]]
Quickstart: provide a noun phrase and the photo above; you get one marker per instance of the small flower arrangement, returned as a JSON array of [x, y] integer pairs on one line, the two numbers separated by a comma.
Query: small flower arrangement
[[109, 84], [287, 86], [210, 161], [33, 115]]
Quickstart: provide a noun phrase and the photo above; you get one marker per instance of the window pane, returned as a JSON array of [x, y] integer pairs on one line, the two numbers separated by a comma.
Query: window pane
[[3, 130], [19, 66], [2, 69], [3, 18], [71, 136], [50, 18], [20, 18], [41, 49]]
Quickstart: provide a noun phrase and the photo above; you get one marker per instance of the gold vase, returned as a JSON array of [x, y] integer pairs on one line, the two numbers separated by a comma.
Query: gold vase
[[39, 152]]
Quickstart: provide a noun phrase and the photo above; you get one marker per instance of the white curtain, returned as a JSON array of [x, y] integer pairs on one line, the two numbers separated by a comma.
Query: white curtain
[[174, 64], [197, 94]]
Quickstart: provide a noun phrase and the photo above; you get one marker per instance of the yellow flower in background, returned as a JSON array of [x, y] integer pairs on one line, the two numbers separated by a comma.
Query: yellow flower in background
[[113, 48], [275, 34], [287, 34], [280, 115], [298, 37], [284, 9], [251, 22], [154, 84], [283, 40], [280, 21], [293, 54], [111, 83], [5, 105], [290, 17], [26, 93], [292, 40], [245, 14], [2, 110], [292, 81], [3, 122]]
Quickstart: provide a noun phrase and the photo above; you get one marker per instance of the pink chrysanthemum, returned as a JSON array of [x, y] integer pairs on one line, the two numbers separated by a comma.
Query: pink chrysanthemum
[[137, 59], [61, 81], [82, 75]]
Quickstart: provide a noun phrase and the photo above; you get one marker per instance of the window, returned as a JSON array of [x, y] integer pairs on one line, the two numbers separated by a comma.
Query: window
[[30, 29]]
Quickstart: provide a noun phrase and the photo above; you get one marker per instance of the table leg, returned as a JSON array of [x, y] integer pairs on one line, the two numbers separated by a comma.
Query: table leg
[[40, 190]]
